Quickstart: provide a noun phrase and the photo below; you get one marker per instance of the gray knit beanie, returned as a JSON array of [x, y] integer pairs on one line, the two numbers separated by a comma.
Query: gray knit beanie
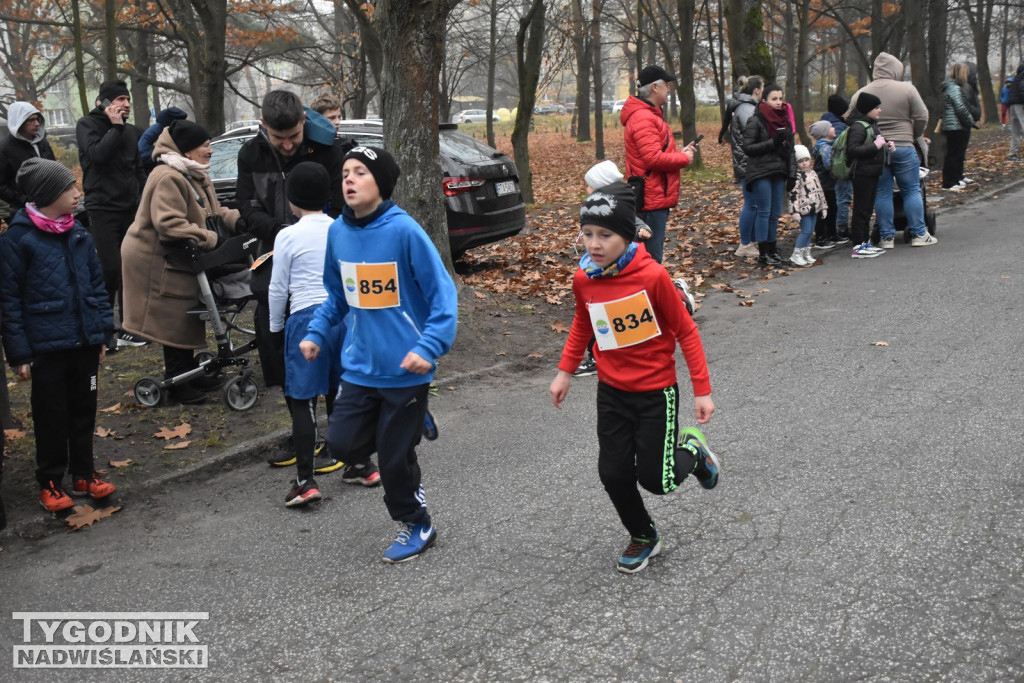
[[42, 180], [819, 129]]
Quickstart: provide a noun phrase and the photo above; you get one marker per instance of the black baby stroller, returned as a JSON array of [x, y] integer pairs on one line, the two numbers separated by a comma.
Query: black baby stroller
[[227, 304], [899, 219]]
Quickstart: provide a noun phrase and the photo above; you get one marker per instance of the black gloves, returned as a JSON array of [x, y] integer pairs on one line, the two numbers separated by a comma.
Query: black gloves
[[780, 139]]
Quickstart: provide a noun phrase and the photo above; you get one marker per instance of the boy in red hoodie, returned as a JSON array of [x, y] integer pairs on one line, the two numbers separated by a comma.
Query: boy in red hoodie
[[628, 302]]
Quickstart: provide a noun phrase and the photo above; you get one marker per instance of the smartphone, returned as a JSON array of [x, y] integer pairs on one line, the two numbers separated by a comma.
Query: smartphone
[[699, 138], [781, 130], [105, 103]]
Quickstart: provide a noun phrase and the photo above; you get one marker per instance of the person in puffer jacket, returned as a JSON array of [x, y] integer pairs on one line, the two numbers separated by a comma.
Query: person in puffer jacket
[[56, 322], [956, 127], [746, 106], [651, 152]]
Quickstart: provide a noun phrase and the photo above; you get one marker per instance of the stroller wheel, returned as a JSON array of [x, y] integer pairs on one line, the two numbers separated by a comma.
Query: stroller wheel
[[205, 357], [241, 392], [148, 392]]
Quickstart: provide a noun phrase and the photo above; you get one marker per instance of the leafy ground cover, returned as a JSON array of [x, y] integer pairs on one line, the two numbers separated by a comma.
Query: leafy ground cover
[[516, 304]]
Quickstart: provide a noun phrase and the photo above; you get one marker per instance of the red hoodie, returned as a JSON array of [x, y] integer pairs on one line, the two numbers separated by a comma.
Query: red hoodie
[[650, 364], [651, 147]]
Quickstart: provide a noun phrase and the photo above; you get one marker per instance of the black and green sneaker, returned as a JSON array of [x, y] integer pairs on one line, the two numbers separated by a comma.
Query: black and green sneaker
[[708, 467]]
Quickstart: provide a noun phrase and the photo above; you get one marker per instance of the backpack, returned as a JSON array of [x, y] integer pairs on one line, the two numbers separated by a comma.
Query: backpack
[[842, 167]]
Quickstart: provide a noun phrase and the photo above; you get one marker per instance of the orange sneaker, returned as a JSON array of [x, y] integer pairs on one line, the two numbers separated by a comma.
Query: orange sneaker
[[53, 498], [92, 486]]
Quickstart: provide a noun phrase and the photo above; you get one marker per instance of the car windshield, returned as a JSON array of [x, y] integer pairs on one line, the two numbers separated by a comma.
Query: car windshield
[[224, 162], [465, 149]]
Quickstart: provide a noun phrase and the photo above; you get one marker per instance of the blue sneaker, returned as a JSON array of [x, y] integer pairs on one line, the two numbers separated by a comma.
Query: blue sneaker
[[636, 555], [708, 466], [411, 540], [429, 427]]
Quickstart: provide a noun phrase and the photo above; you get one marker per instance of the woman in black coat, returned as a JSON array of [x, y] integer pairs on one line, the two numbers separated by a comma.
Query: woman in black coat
[[866, 150], [768, 145]]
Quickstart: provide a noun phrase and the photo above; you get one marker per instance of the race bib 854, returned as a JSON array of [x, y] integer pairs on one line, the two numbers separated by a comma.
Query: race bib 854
[[624, 322], [371, 285]]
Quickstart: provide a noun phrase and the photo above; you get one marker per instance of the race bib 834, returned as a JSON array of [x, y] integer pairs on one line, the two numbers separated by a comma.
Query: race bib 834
[[371, 285], [624, 322]]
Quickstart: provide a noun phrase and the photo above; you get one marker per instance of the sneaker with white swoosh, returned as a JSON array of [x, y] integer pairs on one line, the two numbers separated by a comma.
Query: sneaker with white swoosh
[[411, 540]]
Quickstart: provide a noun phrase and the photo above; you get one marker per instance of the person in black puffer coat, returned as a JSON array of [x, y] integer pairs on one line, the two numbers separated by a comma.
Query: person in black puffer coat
[[866, 149], [771, 168]]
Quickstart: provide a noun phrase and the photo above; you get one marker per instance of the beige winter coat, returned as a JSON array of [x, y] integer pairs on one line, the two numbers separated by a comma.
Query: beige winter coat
[[157, 296], [904, 114]]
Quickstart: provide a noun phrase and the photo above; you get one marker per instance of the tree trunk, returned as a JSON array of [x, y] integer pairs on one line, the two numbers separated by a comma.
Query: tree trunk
[[529, 51], [798, 92], [583, 48], [747, 48], [687, 101], [110, 40], [76, 33], [981, 28], [595, 48], [409, 107], [140, 86], [492, 62]]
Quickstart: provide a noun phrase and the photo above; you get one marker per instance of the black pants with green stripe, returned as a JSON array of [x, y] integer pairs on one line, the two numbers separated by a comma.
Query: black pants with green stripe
[[637, 433]]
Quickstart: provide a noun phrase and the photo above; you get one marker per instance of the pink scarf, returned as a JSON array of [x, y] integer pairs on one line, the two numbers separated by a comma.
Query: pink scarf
[[47, 224]]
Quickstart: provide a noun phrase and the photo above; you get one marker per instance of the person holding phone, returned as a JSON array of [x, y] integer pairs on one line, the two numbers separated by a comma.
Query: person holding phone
[[771, 169], [651, 152], [113, 178]]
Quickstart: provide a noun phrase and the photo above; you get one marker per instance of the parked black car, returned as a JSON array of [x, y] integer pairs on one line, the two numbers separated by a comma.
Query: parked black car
[[480, 183]]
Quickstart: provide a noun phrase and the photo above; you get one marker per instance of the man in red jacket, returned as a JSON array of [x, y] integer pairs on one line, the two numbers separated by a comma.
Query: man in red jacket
[[651, 152]]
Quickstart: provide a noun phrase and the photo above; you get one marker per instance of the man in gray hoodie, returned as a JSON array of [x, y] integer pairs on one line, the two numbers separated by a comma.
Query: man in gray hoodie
[[26, 141], [904, 119]]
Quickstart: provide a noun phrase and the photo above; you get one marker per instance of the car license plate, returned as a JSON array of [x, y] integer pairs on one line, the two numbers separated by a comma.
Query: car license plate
[[504, 187]]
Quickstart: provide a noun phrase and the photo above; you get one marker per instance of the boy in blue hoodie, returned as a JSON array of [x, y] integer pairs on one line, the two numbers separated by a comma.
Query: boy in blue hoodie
[[385, 279]]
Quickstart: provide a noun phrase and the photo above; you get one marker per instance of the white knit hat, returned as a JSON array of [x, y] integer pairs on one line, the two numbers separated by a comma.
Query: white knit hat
[[801, 152], [604, 173]]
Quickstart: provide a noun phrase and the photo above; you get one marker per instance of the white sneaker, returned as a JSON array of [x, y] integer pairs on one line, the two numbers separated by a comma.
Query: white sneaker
[[748, 250], [808, 257], [888, 243], [797, 259], [959, 187], [967, 181], [924, 240]]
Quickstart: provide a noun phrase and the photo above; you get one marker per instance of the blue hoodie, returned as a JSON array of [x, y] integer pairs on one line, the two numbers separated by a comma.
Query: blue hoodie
[[388, 278]]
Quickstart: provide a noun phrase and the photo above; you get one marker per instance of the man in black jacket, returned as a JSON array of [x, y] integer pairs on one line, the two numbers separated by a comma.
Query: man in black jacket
[[112, 177], [289, 134], [26, 141]]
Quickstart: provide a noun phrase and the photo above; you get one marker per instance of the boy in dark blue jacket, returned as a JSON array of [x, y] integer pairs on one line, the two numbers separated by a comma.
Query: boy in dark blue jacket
[[383, 273], [56, 321]]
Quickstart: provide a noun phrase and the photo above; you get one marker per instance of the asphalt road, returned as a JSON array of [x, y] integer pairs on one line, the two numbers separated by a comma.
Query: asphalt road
[[869, 523]]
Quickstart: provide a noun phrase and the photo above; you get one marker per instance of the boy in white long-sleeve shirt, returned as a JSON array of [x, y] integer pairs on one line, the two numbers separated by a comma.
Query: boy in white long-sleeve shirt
[[296, 292]]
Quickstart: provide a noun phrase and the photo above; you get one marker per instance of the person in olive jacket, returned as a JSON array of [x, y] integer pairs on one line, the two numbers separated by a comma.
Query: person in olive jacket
[[957, 121], [771, 168], [866, 150]]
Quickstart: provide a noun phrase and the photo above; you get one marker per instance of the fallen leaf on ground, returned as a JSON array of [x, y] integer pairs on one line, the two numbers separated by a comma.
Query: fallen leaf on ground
[[879, 343], [112, 409], [179, 432], [748, 302], [451, 388], [103, 432], [177, 446], [1004, 277], [535, 355], [559, 326], [85, 515], [13, 434], [120, 463], [480, 295], [501, 353]]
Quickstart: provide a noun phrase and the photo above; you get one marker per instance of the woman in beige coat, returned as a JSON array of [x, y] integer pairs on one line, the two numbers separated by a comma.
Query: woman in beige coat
[[175, 204]]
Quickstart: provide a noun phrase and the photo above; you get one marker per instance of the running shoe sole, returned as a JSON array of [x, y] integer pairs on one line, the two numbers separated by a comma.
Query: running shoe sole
[[300, 500]]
